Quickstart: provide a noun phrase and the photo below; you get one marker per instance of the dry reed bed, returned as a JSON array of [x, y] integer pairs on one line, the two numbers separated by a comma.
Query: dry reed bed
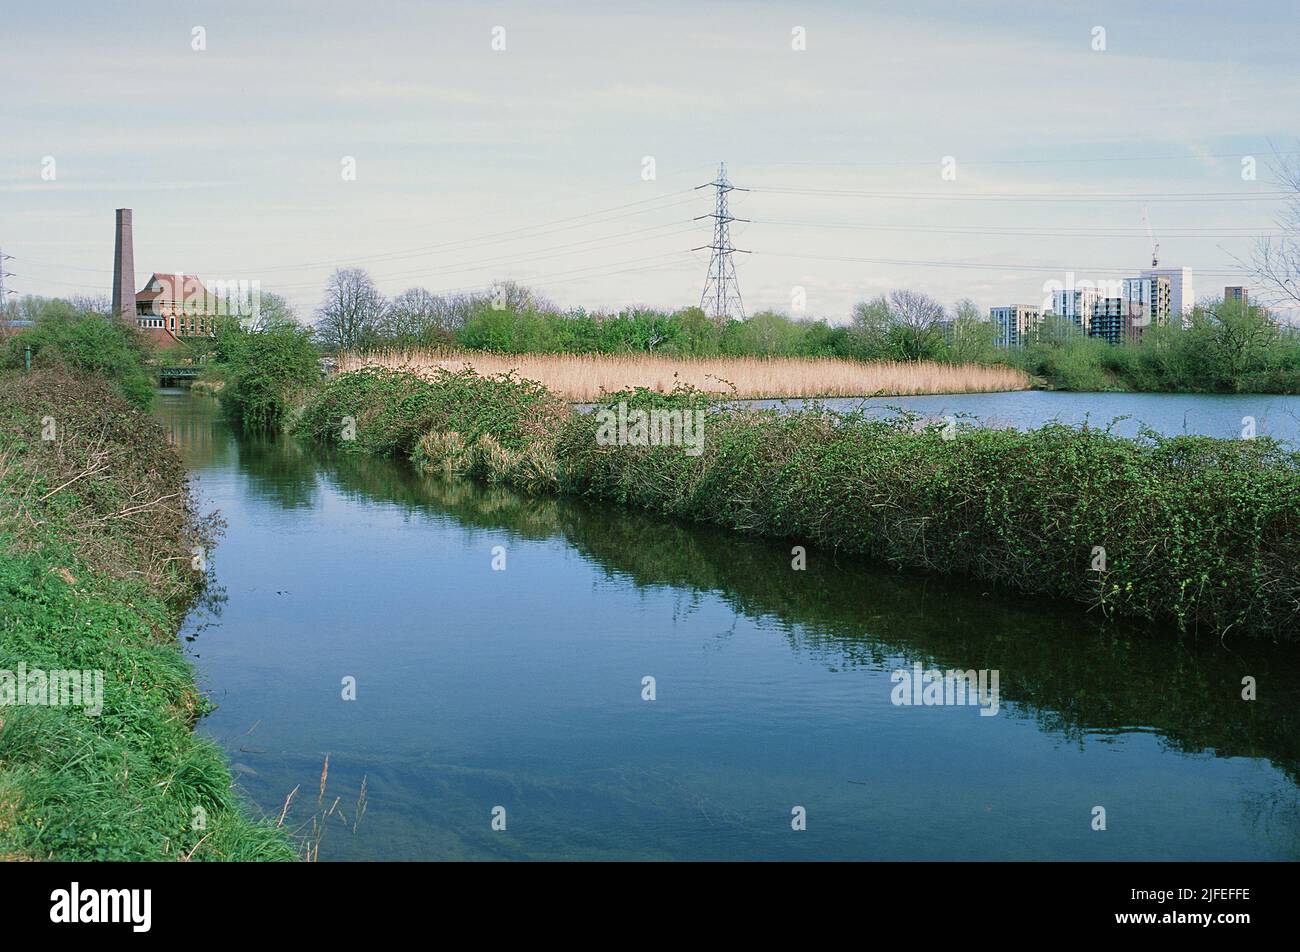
[[583, 377]]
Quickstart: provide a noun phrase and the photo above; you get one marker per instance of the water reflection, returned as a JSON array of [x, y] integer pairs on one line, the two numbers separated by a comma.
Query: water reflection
[[1086, 683]]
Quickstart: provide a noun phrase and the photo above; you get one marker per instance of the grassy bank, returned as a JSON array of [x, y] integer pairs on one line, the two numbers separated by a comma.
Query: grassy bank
[[1201, 535], [97, 539], [584, 377]]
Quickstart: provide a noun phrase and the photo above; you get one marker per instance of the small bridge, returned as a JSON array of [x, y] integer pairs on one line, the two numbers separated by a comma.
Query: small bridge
[[177, 373]]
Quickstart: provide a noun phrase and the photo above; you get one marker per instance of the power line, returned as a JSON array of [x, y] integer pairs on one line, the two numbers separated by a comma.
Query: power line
[[1066, 160], [597, 270], [722, 270], [477, 264], [513, 234], [974, 265], [1033, 232], [1099, 197]]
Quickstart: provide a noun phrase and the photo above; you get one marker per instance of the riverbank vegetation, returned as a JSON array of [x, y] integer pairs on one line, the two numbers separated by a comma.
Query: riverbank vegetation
[[261, 373], [101, 553], [1198, 534], [85, 342], [584, 377], [1225, 347]]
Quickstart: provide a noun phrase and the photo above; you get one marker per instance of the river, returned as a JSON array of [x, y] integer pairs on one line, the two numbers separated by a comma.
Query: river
[[519, 694]]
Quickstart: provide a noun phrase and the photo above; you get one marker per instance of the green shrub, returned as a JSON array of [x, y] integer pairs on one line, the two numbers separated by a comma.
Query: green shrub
[[1199, 533], [87, 343], [266, 372], [495, 427]]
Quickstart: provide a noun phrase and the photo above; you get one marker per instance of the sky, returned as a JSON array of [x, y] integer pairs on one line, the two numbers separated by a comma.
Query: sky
[[986, 150]]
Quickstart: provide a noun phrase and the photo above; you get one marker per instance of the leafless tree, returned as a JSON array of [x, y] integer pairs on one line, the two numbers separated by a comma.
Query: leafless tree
[[915, 310], [1276, 262], [917, 321], [267, 310], [350, 314], [513, 296], [411, 314]]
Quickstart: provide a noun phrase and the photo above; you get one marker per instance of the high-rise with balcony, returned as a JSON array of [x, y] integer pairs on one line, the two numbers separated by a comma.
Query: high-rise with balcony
[[1152, 294], [1076, 305], [1116, 320], [1182, 297], [1015, 324]]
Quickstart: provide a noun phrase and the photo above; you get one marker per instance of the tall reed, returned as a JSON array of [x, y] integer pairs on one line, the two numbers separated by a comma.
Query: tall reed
[[584, 377]]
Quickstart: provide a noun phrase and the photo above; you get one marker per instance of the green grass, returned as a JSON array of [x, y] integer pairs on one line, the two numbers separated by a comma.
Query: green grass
[[95, 574], [1200, 535]]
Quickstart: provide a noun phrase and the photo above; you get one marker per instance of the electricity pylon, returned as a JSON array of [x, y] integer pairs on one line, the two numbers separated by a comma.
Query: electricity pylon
[[721, 289]]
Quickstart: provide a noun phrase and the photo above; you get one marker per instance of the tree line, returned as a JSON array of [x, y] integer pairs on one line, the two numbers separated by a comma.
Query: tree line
[[511, 318]]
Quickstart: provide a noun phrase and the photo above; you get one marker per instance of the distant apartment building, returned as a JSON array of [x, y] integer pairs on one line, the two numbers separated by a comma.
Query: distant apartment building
[[1236, 293], [1116, 320], [1076, 305], [1111, 310], [1181, 295], [1015, 324], [1152, 295]]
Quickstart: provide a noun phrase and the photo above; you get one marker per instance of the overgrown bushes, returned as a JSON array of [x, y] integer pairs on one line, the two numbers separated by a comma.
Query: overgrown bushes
[[1199, 533], [265, 372], [96, 572], [88, 343], [1196, 533], [492, 428]]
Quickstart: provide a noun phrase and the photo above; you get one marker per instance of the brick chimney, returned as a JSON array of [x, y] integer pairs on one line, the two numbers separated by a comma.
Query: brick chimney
[[124, 267]]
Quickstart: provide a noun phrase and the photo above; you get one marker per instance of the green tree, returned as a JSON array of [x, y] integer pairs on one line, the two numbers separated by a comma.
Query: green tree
[[265, 372], [86, 342]]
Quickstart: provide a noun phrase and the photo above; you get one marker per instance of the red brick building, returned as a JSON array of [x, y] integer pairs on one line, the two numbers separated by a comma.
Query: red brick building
[[173, 306]]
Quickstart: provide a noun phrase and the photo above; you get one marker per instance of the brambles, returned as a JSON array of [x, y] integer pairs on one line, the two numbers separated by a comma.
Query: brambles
[[1201, 534], [493, 428]]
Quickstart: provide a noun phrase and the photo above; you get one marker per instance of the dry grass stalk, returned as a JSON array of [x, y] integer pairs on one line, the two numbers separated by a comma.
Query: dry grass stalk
[[583, 377]]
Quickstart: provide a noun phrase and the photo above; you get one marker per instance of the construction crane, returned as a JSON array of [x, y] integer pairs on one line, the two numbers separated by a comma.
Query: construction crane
[[1155, 245]]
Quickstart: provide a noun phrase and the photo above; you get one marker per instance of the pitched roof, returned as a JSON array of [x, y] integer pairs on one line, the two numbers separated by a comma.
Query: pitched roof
[[172, 289], [161, 337]]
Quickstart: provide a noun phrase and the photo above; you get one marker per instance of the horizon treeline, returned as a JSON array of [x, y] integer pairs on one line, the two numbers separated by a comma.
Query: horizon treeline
[[514, 319], [1225, 347]]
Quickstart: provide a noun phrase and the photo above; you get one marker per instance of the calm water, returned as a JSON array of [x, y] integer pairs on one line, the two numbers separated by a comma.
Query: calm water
[[523, 688], [1218, 415]]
